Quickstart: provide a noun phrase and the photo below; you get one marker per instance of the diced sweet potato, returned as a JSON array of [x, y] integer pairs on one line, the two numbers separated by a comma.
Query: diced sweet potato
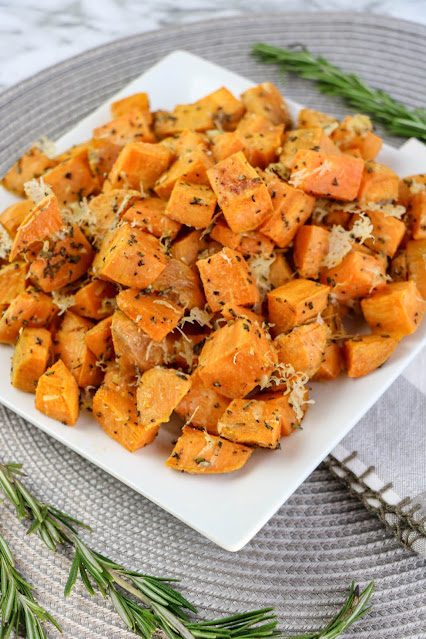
[[95, 300], [136, 103], [181, 284], [303, 347], [31, 309], [387, 232], [397, 309], [191, 166], [260, 139], [72, 179], [14, 215], [12, 282], [266, 100], [398, 269], [31, 165], [253, 422], [289, 421], [130, 257], [42, 222], [416, 264], [102, 156], [354, 134], [130, 127], [310, 249], [105, 211], [331, 364], [195, 117], [378, 184], [197, 452], [311, 119], [253, 243], [115, 410], [226, 277], [138, 166], [202, 406], [186, 248], [416, 214], [357, 275], [155, 314], [191, 204], [33, 354], [295, 303], [159, 392], [365, 353], [71, 348], [315, 139], [150, 214], [327, 174], [236, 358], [99, 339], [57, 394], [280, 271], [409, 186], [226, 144], [226, 110], [241, 194], [231, 311]]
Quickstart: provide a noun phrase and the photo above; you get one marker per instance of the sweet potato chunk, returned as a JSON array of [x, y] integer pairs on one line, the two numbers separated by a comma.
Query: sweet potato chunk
[[30, 309], [387, 233], [202, 406], [138, 166], [331, 364], [416, 214], [236, 358], [226, 110], [130, 256], [149, 214], [253, 422], [198, 452], [182, 285], [102, 155], [226, 144], [226, 278], [311, 119], [398, 269], [95, 300], [72, 179], [99, 339], [315, 139], [191, 166], [136, 103], [125, 129], [295, 303], [365, 353], [253, 243], [280, 271], [12, 282], [354, 134], [33, 353], [186, 248], [191, 204], [241, 194], [260, 139], [105, 211], [303, 347], [195, 117], [13, 216], [357, 275], [42, 222], [378, 184], [416, 264], [159, 392], [155, 314], [327, 174], [231, 311], [57, 394], [310, 249], [266, 100], [397, 309], [31, 165]]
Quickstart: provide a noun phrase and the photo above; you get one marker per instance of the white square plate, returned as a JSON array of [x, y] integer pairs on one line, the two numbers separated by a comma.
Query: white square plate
[[228, 509]]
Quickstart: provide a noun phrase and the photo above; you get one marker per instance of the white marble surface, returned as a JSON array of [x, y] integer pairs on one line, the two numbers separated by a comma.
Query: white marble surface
[[36, 34]]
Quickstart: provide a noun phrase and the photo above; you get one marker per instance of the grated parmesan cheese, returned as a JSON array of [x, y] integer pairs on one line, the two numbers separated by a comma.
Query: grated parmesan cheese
[[46, 146], [295, 386], [341, 241], [37, 190], [387, 209], [358, 124], [416, 187], [298, 176], [164, 303], [62, 300], [5, 243], [202, 317], [260, 269]]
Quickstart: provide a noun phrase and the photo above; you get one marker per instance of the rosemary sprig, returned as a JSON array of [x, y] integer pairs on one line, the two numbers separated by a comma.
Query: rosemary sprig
[[144, 603], [332, 80], [18, 608]]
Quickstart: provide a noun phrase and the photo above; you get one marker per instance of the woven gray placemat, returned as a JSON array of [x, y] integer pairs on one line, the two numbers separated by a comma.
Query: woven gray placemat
[[304, 559]]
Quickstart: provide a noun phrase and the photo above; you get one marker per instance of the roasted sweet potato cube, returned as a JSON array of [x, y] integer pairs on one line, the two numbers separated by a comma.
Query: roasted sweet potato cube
[[13, 216], [397, 309], [102, 156], [388, 232], [105, 210], [416, 264], [99, 339], [398, 269], [138, 166], [42, 222], [127, 128], [236, 359], [357, 275], [202, 406], [303, 347], [226, 277], [241, 194], [253, 243], [12, 282], [159, 392], [231, 311], [95, 300], [31, 309], [289, 421], [280, 271], [310, 248], [315, 139], [295, 303], [378, 184], [226, 144], [115, 410], [72, 179], [252, 422], [67, 260], [136, 103], [149, 214], [365, 353], [57, 394], [266, 100], [327, 174], [409, 186], [416, 214], [33, 354], [191, 166], [311, 119], [186, 248], [31, 165], [181, 284], [198, 452], [226, 110], [191, 204], [195, 117], [71, 348], [331, 364], [354, 134], [155, 314], [261, 139], [291, 208], [130, 257]]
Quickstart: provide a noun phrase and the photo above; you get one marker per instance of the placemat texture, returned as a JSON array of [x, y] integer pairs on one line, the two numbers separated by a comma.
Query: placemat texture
[[303, 560]]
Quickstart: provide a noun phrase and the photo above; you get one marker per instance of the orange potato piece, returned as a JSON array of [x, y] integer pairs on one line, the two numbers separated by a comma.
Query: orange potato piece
[[253, 243], [303, 347], [280, 271], [260, 139], [72, 179], [288, 419], [397, 309], [416, 264], [365, 353], [388, 233], [138, 102], [115, 410], [232, 311], [416, 213], [352, 136], [195, 117], [296, 303], [310, 249], [57, 394], [357, 275], [31, 309], [191, 204], [130, 127], [42, 222], [102, 156], [226, 144], [159, 392], [181, 284], [197, 452], [95, 300], [106, 209], [99, 339], [331, 365], [226, 110], [409, 186], [201, 405], [155, 314], [14, 215], [315, 139], [186, 248], [191, 166], [241, 194], [266, 100], [33, 353], [31, 165], [138, 166], [236, 359], [150, 214], [378, 184], [12, 281], [398, 269], [311, 119], [327, 174], [130, 257], [254, 422], [226, 278]]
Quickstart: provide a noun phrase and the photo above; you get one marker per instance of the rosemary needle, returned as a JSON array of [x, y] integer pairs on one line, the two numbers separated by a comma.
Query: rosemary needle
[[332, 80]]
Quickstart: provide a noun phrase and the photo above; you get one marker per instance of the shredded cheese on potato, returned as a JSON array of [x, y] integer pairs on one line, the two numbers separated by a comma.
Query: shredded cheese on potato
[[46, 146], [202, 317], [5, 243], [37, 190], [260, 269], [341, 241], [62, 300], [298, 176]]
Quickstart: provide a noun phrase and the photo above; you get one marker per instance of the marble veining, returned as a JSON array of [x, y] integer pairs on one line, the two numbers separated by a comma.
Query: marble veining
[[35, 35]]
